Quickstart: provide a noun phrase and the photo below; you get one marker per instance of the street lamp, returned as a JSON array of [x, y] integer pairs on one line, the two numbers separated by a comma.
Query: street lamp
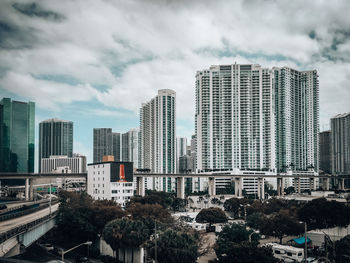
[[305, 236], [88, 243]]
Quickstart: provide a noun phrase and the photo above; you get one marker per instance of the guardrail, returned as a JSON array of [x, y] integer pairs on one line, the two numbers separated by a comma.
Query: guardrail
[[25, 227], [26, 212]]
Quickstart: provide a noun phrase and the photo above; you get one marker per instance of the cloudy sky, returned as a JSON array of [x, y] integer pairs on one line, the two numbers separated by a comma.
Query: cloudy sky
[[95, 62]]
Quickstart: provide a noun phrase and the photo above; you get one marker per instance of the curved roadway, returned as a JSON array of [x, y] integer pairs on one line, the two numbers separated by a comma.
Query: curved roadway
[[12, 223]]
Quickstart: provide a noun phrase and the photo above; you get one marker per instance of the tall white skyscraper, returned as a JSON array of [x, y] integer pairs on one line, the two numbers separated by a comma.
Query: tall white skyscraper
[[181, 149], [158, 139], [297, 119], [234, 118], [249, 117]]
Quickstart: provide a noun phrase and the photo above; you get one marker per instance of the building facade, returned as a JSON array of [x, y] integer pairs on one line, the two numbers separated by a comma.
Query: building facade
[[76, 163], [130, 147], [340, 144], [55, 138], [234, 118], [17, 130], [102, 143], [181, 150], [158, 138], [297, 119], [116, 146], [325, 152], [111, 181]]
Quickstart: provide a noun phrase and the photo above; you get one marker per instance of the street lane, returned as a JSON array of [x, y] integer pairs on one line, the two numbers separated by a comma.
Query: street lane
[[12, 223]]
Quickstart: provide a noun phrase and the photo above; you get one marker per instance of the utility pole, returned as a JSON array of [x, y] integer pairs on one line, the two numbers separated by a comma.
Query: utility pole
[[155, 240], [50, 198], [305, 254]]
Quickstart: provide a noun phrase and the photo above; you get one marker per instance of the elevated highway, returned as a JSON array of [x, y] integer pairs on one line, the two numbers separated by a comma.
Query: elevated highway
[[18, 233]]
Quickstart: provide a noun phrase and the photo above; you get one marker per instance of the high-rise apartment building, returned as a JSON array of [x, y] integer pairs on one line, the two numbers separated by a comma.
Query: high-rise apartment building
[[234, 118], [55, 138], [340, 144], [157, 133], [130, 147], [17, 129], [181, 150], [102, 143], [325, 152], [296, 107], [116, 141]]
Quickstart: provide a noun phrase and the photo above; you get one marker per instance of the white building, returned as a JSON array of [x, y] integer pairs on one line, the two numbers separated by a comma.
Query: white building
[[158, 139], [105, 181], [76, 164], [234, 118], [254, 118], [297, 119]]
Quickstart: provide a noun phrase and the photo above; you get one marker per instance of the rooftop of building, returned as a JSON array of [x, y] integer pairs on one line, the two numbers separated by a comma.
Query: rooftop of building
[[341, 115], [55, 120]]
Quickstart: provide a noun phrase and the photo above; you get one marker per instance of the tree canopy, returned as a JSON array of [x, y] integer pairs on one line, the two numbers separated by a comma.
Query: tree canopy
[[232, 246], [80, 218], [320, 213], [211, 215], [174, 247], [342, 250], [125, 233], [280, 224]]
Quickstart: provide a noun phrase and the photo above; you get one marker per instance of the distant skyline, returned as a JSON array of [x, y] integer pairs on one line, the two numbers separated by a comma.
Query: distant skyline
[[95, 62]]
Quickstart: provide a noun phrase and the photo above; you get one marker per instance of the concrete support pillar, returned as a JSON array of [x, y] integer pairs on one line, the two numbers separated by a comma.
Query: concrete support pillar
[[26, 189], [312, 184], [238, 186], [31, 189], [180, 185], [326, 182], [261, 188], [297, 185], [280, 186], [211, 186], [140, 186], [341, 184]]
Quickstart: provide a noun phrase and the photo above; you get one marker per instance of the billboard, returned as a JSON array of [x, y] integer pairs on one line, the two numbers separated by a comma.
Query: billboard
[[122, 172]]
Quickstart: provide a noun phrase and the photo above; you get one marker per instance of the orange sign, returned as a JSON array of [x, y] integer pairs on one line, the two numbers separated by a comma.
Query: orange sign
[[121, 173]]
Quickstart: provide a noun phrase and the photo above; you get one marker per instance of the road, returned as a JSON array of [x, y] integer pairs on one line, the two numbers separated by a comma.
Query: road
[[12, 223]]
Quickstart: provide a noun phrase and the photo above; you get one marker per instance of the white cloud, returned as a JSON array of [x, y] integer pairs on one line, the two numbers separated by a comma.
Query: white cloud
[[134, 48], [47, 94]]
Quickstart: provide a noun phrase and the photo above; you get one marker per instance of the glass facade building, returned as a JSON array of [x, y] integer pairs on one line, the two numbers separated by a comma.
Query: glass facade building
[[55, 138], [17, 129]]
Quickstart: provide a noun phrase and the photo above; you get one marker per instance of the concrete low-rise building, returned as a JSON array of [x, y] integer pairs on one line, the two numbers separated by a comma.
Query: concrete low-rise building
[[111, 181]]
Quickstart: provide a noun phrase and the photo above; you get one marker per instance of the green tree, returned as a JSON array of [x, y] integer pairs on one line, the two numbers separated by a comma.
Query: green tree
[[148, 213], [281, 224], [125, 233], [80, 218], [211, 215], [74, 218], [342, 250], [255, 220], [232, 246], [174, 247], [320, 213], [177, 204], [289, 190]]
